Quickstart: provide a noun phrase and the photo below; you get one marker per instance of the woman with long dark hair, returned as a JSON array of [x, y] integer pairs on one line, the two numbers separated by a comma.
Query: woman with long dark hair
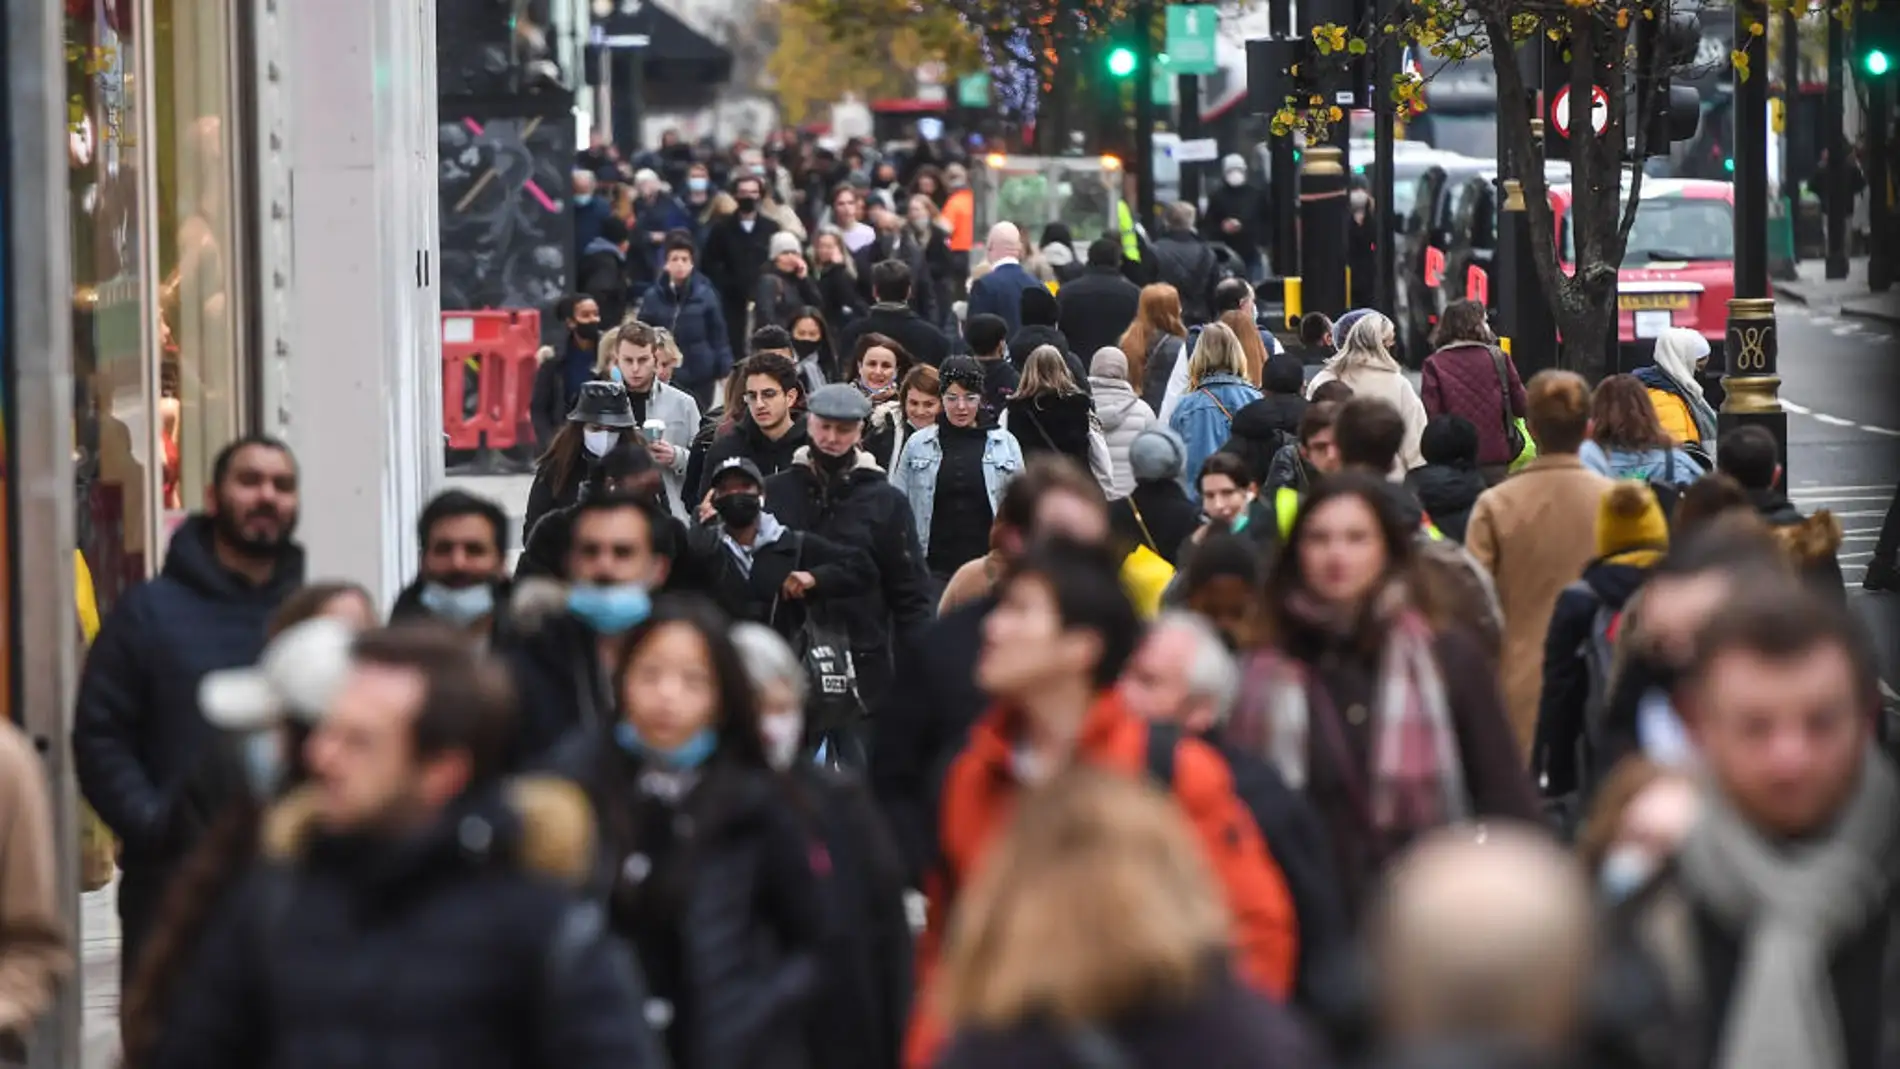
[[264, 715], [710, 878], [600, 420], [1356, 689], [812, 347]]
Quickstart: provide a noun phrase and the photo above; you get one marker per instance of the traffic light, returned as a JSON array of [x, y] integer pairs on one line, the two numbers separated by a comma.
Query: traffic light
[[1121, 61], [1877, 41], [1664, 46]]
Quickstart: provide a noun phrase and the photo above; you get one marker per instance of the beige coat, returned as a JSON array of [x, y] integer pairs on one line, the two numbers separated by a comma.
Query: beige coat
[[1535, 531], [35, 950]]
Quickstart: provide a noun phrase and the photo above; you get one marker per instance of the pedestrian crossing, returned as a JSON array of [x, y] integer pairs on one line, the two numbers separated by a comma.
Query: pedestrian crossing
[[1861, 511]]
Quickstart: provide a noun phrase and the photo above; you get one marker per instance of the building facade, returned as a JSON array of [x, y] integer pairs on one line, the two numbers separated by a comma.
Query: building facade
[[217, 217]]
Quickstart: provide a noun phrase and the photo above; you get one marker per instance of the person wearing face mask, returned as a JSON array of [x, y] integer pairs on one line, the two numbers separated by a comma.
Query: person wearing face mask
[[758, 569], [627, 470], [464, 546], [706, 871], [858, 1023], [837, 491], [558, 381], [811, 347], [785, 286], [602, 415], [738, 249], [1239, 215], [561, 639]]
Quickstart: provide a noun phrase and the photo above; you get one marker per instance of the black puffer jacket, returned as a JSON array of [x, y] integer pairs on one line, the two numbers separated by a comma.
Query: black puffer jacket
[[463, 946], [1168, 518], [716, 892], [861, 509], [745, 439], [1448, 494], [860, 1018]]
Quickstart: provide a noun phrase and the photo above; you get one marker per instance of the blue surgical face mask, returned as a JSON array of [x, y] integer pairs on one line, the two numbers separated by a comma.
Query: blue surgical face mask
[[698, 185], [582, 200], [610, 610], [263, 763], [1625, 871], [460, 607], [692, 753]]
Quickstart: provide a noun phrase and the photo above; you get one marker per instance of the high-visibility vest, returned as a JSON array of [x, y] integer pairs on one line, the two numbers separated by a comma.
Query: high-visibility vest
[[1286, 507], [1125, 222]]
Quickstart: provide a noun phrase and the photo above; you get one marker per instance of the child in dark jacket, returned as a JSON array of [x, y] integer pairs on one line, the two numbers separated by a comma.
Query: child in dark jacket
[[1449, 484]]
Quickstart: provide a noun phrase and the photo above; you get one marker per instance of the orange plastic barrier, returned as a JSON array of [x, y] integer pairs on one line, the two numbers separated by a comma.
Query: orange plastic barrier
[[1478, 285], [488, 370]]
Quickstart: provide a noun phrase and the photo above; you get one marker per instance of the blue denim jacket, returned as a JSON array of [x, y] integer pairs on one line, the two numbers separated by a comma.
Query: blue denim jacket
[[1202, 424], [916, 473]]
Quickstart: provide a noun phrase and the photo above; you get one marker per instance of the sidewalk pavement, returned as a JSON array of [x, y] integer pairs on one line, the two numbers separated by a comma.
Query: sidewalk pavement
[[99, 978], [1844, 296]]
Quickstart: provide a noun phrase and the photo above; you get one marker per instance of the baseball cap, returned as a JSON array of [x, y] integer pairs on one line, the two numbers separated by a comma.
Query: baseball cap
[[743, 465], [296, 678]]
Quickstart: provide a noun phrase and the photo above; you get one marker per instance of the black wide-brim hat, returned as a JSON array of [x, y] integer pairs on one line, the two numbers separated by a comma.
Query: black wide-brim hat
[[604, 404]]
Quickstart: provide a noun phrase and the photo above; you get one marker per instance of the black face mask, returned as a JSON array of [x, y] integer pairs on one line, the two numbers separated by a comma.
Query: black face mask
[[587, 332], [739, 510], [805, 346], [747, 205]]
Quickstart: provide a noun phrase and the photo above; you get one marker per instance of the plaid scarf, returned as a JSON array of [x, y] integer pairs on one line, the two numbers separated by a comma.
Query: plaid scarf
[[1417, 777]]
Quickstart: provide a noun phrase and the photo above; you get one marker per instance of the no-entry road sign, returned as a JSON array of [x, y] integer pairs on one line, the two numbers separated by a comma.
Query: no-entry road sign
[[1599, 111]]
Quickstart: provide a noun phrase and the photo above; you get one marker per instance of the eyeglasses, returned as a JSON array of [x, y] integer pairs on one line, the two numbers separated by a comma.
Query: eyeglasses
[[962, 401], [755, 396]]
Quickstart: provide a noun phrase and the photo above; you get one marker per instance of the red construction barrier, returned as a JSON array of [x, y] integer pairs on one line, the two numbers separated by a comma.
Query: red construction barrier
[[488, 366]]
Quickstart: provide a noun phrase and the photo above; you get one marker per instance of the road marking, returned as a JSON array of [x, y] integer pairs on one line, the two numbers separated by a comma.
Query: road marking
[[1833, 421], [1799, 410], [1888, 431], [1812, 499], [1822, 490]]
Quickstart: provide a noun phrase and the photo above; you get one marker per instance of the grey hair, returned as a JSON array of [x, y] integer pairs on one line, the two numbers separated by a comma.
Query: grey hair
[[1213, 673], [1181, 215], [768, 659]]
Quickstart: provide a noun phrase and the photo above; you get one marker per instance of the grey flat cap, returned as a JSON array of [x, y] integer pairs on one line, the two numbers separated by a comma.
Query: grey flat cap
[[839, 401]]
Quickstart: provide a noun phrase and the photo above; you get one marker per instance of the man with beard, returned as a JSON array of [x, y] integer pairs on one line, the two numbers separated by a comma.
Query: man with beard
[[138, 731], [837, 491], [464, 556]]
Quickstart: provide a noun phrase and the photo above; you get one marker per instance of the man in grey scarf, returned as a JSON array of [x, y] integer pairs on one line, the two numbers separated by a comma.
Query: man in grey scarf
[[1777, 923]]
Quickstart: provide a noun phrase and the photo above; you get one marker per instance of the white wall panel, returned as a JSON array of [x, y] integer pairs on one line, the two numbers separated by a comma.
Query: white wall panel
[[354, 383]]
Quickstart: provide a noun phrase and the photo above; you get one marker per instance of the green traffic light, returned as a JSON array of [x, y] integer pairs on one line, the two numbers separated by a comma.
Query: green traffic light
[[1729, 165], [1876, 62], [1121, 62]]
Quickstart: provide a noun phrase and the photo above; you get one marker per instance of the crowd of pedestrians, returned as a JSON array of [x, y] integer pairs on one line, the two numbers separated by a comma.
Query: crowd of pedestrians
[[939, 699]]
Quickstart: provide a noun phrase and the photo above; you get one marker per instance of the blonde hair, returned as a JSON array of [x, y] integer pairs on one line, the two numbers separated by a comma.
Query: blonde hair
[[604, 353], [1097, 900], [1364, 345], [1218, 352], [1046, 372]]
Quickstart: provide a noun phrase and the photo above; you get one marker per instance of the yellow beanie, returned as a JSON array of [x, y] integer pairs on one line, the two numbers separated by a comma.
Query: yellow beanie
[[1629, 517]]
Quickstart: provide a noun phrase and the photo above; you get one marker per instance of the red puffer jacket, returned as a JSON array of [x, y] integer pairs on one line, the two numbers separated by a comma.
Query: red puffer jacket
[[1462, 380]]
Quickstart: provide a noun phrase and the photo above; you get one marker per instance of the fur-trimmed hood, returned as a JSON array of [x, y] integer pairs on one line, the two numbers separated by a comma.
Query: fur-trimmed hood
[[865, 461], [553, 837], [1811, 540]]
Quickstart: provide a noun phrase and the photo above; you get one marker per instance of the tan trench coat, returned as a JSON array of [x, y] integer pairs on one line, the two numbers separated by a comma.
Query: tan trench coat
[[1535, 531]]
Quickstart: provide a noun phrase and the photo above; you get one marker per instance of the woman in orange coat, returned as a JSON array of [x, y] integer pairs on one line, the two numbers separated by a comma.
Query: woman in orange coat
[[1053, 648]]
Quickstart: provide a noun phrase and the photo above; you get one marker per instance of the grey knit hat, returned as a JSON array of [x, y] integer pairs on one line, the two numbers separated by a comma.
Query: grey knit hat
[[1157, 454]]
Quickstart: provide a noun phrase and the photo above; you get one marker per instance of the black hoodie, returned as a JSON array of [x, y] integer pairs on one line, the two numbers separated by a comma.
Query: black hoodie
[[1560, 712], [1448, 494], [1262, 428]]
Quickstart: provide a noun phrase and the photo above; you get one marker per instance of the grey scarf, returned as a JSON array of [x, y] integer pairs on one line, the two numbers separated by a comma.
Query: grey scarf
[[1796, 906]]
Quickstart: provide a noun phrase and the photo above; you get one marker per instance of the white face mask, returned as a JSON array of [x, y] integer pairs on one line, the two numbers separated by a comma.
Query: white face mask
[[1236, 178], [599, 442], [782, 735]]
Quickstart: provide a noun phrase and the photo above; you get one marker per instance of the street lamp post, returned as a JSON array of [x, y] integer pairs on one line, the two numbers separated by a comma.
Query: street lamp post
[[1752, 382]]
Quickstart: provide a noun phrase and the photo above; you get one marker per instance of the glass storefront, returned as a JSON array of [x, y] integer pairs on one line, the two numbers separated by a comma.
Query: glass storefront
[[158, 353]]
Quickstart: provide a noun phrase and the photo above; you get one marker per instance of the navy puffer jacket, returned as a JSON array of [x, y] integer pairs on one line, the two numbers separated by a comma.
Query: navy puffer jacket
[[696, 318]]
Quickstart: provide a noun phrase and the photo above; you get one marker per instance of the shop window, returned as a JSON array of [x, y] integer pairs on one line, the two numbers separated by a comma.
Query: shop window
[[194, 100], [113, 434]]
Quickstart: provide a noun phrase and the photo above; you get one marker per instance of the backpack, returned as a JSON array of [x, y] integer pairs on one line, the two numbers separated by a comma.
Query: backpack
[[1598, 651], [1664, 486]]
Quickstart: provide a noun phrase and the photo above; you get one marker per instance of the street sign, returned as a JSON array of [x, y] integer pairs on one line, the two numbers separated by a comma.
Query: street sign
[[1192, 32], [1599, 111], [973, 90], [1199, 150]]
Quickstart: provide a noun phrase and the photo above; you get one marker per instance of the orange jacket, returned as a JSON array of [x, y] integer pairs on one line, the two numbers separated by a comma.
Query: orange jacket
[[959, 210], [979, 797]]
